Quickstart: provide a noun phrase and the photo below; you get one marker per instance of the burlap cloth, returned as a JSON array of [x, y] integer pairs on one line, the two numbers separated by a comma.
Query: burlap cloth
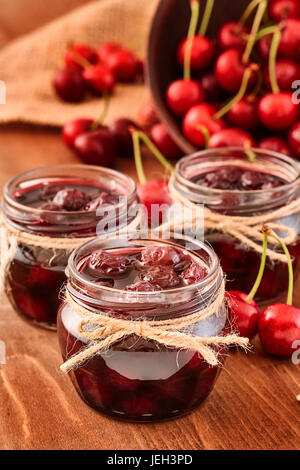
[[27, 64]]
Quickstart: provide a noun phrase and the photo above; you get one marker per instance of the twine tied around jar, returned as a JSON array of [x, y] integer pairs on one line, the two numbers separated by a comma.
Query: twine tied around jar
[[102, 331], [11, 237], [244, 228]]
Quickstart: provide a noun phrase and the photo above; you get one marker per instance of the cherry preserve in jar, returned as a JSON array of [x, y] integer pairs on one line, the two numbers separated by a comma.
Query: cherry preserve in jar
[[137, 378], [228, 183], [63, 202]]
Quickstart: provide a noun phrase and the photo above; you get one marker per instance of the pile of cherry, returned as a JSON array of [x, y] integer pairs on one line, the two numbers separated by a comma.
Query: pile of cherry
[[250, 68]]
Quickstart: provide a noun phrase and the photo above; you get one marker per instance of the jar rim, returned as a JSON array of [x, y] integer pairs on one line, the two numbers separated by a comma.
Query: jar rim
[[70, 166], [212, 152], [214, 273]]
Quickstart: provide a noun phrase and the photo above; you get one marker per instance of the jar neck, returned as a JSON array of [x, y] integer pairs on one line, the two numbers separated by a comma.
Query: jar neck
[[164, 304], [237, 202]]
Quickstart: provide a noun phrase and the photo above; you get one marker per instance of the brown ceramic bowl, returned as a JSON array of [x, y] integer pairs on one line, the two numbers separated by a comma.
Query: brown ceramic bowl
[[170, 25]]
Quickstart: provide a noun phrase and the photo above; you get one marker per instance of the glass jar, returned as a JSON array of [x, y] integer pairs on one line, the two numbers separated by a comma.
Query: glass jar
[[36, 274], [241, 263], [139, 379]]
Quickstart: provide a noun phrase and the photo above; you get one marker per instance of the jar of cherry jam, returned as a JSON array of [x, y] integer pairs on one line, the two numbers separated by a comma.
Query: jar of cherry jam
[[138, 379], [244, 189], [63, 201]]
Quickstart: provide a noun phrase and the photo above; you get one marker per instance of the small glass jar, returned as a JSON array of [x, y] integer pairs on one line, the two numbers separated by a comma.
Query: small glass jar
[[139, 379], [241, 263], [36, 274]]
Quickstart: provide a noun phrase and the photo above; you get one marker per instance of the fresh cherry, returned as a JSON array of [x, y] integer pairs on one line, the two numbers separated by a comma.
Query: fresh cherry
[[106, 49], [100, 78], [96, 147], [294, 139], [232, 35], [155, 196], [283, 9], [289, 45], [183, 94], [164, 142], [80, 50], [277, 111], [243, 315], [74, 128], [212, 90], [147, 115], [69, 84], [199, 123], [230, 70], [123, 64], [276, 144], [202, 52], [244, 113], [286, 71], [264, 46], [231, 137], [120, 130]]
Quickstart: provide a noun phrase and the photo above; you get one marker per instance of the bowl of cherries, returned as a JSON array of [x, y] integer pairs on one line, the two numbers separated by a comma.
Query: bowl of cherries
[[226, 73]]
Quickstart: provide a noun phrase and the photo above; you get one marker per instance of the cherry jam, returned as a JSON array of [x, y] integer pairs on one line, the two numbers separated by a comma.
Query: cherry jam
[[62, 201], [227, 182], [139, 379]]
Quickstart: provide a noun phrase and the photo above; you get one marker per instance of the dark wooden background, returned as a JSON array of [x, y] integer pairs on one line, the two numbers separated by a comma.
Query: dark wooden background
[[253, 405]]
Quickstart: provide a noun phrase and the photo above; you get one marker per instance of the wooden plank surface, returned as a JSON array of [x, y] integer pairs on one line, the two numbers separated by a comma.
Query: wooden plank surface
[[253, 405]]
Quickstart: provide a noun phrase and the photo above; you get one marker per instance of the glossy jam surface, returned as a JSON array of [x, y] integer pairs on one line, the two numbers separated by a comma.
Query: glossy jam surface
[[36, 274], [235, 178], [138, 379]]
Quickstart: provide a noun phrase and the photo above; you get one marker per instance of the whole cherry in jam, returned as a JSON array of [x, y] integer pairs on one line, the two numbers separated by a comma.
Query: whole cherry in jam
[[71, 199], [103, 262]]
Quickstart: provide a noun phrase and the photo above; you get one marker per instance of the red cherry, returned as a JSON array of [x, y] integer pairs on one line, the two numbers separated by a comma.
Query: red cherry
[[104, 262], [276, 144], [231, 137], [154, 192], [193, 273], [164, 276], [289, 45], [120, 130], [201, 115], [123, 64], [69, 84], [202, 52], [294, 139], [71, 199], [83, 50], [100, 78], [277, 111], [279, 328], [264, 46], [243, 315], [244, 113], [147, 116], [97, 147], [229, 70], [74, 128], [164, 142], [232, 35], [106, 49], [286, 72], [163, 256], [183, 94], [282, 9], [212, 90]]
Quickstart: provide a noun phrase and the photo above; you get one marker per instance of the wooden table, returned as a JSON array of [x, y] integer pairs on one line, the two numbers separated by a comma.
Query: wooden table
[[253, 405]]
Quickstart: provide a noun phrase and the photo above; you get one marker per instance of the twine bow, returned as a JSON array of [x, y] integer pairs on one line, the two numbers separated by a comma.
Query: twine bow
[[103, 331], [245, 229]]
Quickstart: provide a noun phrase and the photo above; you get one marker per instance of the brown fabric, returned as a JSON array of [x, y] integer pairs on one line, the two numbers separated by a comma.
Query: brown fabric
[[27, 64]]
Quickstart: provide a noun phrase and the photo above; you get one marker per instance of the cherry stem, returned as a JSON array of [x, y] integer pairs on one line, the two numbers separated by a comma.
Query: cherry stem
[[240, 93], [103, 114], [206, 17], [206, 134], [80, 60], [252, 5], [194, 4], [265, 31], [272, 61], [137, 136], [255, 27], [257, 282], [289, 299]]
